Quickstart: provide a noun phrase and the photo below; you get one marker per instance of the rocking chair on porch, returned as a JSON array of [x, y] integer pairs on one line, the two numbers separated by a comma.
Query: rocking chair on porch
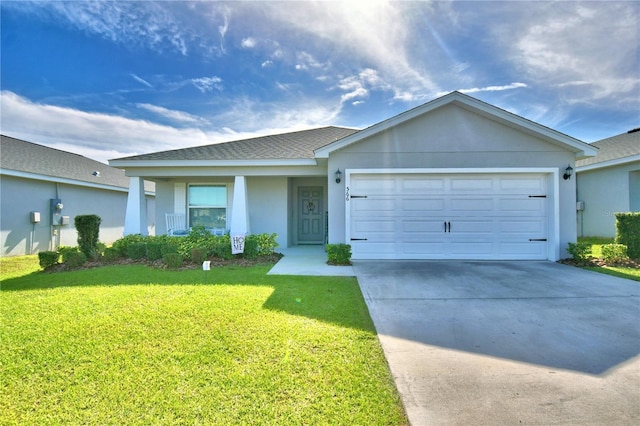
[[176, 224]]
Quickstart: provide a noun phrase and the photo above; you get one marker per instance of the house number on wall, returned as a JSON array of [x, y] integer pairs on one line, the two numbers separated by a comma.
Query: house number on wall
[[347, 194]]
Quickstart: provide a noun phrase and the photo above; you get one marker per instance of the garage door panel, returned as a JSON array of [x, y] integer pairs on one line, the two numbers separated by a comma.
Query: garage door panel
[[422, 185], [470, 206], [425, 206], [487, 217], [471, 184], [422, 226]]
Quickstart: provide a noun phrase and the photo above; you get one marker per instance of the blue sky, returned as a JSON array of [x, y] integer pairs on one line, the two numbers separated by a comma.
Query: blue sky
[[118, 78]]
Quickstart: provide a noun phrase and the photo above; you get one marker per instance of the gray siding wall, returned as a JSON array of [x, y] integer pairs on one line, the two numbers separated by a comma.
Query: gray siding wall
[[452, 137], [21, 196], [605, 192]]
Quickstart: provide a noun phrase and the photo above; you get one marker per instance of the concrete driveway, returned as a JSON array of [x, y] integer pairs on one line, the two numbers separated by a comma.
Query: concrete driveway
[[507, 343]]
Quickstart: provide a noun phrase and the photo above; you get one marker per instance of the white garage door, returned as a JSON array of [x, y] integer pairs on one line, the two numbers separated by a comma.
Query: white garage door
[[458, 216]]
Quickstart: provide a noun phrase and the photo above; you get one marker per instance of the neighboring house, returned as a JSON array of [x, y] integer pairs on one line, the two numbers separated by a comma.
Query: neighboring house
[[455, 178], [608, 183], [32, 175]]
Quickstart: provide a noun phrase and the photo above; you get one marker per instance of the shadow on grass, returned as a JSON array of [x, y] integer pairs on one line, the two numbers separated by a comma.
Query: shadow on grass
[[335, 300]]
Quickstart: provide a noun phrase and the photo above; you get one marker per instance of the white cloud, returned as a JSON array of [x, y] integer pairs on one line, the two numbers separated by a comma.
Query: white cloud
[[377, 33], [91, 133], [563, 45], [178, 116], [207, 84], [141, 81], [489, 89], [248, 43], [267, 64], [104, 136]]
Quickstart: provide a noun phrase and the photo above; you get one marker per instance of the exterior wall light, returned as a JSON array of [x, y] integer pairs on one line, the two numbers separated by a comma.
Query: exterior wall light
[[338, 176], [568, 172]]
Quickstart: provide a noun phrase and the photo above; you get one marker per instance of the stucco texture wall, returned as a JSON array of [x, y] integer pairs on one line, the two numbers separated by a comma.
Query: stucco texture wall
[[453, 137], [605, 192], [21, 196]]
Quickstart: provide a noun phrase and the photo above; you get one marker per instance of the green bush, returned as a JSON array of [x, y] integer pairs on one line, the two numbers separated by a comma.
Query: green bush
[[168, 248], [580, 251], [65, 252], [222, 247], [136, 251], [111, 255], [251, 249], [88, 227], [75, 259], [172, 260], [154, 250], [48, 259], [122, 245], [614, 252], [198, 255], [266, 243], [339, 254], [628, 232]]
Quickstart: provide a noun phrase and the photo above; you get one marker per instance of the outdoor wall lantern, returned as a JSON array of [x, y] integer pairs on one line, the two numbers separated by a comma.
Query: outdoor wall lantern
[[568, 172], [338, 176]]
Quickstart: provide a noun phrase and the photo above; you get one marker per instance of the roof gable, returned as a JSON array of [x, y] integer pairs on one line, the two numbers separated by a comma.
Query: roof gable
[[580, 148]]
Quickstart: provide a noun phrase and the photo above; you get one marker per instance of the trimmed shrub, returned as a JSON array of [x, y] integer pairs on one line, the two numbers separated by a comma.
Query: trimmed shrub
[[250, 247], [136, 251], [111, 255], [75, 259], [66, 252], [614, 253], [266, 244], [580, 251], [153, 251], [339, 254], [168, 248], [628, 232], [122, 245], [172, 260], [222, 248], [198, 255], [88, 227], [47, 259]]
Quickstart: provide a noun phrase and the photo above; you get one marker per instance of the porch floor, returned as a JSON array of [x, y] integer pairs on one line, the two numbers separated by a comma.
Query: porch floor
[[308, 260]]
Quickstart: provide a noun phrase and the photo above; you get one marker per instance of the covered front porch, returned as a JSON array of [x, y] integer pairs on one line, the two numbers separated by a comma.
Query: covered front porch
[[293, 207]]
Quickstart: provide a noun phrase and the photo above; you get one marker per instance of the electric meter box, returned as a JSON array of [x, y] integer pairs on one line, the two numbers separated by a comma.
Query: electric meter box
[[56, 211], [35, 217]]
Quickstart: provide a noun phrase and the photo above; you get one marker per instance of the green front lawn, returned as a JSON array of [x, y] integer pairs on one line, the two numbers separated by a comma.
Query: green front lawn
[[137, 345]]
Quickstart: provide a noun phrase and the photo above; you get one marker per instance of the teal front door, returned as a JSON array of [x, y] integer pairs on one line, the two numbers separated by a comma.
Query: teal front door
[[310, 215]]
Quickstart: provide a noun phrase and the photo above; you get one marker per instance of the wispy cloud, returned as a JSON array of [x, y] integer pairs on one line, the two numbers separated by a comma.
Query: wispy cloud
[[141, 81], [488, 89], [177, 116], [207, 84]]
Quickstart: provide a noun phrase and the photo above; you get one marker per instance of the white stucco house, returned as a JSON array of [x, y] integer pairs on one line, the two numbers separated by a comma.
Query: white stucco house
[[42, 190], [455, 178], [608, 183]]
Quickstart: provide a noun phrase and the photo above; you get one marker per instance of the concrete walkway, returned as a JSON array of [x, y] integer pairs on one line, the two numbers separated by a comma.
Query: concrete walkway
[[308, 260], [507, 343]]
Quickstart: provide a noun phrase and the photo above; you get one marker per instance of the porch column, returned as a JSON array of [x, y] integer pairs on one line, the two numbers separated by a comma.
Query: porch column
[[135, 220], [240, 212]]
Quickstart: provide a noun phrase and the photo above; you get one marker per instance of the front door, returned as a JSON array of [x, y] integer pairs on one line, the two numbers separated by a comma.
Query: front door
[[310, 215]]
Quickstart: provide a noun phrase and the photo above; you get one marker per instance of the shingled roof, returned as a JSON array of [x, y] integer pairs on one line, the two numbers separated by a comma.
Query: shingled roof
[[27, 158], [288, 146], [614, 148]]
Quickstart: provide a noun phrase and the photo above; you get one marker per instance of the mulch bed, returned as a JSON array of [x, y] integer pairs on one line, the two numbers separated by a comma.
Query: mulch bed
[[215, 262], [629, 263]]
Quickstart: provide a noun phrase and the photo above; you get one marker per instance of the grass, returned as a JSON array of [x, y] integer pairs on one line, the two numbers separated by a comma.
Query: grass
[[596, 251], [136, 345]]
